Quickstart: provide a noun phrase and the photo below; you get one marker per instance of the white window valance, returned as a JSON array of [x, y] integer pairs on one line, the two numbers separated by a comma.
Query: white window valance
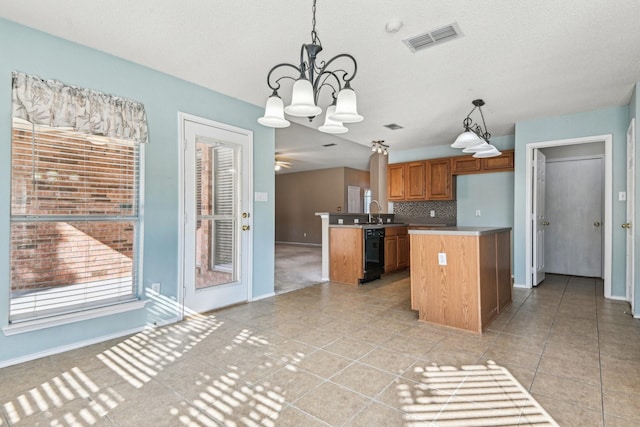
[[55, 104]]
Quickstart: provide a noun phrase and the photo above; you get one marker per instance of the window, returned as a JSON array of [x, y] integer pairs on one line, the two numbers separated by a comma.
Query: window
[[75, 217]]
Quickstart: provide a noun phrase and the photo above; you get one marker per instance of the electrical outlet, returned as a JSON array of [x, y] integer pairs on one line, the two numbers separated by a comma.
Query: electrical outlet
[[478, 212], [155, 287], [304, 235], [432, 213], [340, 221], [442, 258]]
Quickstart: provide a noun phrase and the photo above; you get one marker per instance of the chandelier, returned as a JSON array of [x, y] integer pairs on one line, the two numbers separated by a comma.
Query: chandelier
[[379, 147], [474, 139], [310, 78]]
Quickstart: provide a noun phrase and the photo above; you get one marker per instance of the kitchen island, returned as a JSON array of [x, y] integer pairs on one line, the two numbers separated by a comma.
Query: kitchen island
[[460, 276]]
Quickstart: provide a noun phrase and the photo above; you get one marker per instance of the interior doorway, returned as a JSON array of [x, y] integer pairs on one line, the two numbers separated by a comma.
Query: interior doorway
[[581, 146]]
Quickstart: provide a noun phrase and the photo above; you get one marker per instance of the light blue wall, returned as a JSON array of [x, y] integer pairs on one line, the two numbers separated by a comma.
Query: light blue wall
[[612, 121], [491, 194], [33, 52]]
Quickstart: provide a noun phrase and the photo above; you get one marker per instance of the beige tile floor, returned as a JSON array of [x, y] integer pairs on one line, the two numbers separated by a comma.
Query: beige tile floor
[[338, 355]]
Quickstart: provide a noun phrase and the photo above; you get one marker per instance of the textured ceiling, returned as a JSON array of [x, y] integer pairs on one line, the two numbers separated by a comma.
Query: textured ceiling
[[526, 59]]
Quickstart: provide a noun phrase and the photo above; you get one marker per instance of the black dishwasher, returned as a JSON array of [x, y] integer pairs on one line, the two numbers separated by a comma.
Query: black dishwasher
[[373, 254]]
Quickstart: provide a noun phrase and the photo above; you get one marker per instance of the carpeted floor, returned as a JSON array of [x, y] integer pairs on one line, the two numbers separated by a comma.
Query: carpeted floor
[[297, 266]]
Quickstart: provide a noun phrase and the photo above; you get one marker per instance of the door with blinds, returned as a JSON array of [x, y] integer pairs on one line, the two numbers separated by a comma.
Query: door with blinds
[[217, 219]]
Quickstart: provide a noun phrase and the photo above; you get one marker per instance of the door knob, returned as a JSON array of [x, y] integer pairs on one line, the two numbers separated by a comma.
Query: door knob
[[545, 222], [626, 225], [245, 227], [596, 224]]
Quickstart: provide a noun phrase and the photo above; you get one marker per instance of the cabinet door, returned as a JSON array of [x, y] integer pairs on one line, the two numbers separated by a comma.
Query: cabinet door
[[396, 181], [416, 182], [390, 253], [440, 180], [465, 165], [403, 251], [498, 164]]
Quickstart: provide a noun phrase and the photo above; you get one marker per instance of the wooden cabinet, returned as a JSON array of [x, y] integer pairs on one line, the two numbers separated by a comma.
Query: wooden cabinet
[[415, 187], [403, 251], [435, 179], [471, 287], [426, 180], [396, 181], [440, 185], [500, 163], [466, 165], [346, 255], [390, 253], [463, 165], [396, 248], [406, 181]]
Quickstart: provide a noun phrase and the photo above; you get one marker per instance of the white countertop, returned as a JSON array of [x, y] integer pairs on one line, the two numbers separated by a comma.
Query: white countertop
[[461, 231]]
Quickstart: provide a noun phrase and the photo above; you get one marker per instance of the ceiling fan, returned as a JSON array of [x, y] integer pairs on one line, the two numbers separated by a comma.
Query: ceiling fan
[[279, 164]]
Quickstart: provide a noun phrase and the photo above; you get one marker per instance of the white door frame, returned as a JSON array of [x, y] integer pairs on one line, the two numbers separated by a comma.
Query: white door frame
[[608, 203], [247, 250], [630, 218]]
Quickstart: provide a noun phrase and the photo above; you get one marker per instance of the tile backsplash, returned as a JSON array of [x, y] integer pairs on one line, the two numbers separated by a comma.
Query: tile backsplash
[[418, 212]]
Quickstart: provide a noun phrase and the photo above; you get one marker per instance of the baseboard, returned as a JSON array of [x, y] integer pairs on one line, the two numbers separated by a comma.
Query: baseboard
[[62, 349], [521, 286], [618, 298], [265, 296], [300, 243]]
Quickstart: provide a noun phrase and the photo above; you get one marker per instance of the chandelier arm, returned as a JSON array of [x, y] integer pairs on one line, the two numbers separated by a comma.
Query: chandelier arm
[[342, 55], [277, 81], [318, 84]]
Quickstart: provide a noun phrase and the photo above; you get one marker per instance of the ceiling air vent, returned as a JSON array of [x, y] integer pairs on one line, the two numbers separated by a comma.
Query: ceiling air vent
[[393, 126], [433, 37]]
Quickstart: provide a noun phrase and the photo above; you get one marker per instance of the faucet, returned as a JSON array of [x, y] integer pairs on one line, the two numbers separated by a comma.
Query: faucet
[[379, 209]]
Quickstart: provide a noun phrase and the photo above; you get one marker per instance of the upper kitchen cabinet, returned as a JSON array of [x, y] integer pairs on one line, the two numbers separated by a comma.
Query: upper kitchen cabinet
[[440, 180], [406, 181], [463, 165], [396, 181], [416, 172]]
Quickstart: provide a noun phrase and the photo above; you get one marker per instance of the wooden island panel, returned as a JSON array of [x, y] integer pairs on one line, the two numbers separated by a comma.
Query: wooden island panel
[[346, 255], [474, 285], [451, 297]]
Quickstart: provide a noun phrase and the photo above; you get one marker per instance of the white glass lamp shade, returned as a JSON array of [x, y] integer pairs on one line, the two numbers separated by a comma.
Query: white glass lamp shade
[[332, 126], [467, 139], [482, 147], [347, 107], [302, 103], [274, 113], [492, 152]]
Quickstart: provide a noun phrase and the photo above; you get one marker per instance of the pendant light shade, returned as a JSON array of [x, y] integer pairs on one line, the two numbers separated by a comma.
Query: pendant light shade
[[332, 126], [467, 139], [477, 148], [492, 152], [302, 104], [347, 107], [274, 113]]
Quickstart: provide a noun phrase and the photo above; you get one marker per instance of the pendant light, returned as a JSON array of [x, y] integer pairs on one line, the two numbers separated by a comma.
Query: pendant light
[[474, 139]]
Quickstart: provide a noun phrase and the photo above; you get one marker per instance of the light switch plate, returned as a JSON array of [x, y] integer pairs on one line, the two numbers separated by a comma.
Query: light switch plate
[[622, 196], [442, 258], [261, 196]]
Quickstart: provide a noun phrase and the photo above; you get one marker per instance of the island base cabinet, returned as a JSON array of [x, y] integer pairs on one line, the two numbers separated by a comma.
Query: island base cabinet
[[460, 281], [346, 255]]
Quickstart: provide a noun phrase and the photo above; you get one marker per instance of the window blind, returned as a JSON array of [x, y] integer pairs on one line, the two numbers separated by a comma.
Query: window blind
[[74, 221]]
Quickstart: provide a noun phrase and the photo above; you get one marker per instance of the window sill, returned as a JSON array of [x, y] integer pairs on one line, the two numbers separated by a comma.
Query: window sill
[[50, 322]]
